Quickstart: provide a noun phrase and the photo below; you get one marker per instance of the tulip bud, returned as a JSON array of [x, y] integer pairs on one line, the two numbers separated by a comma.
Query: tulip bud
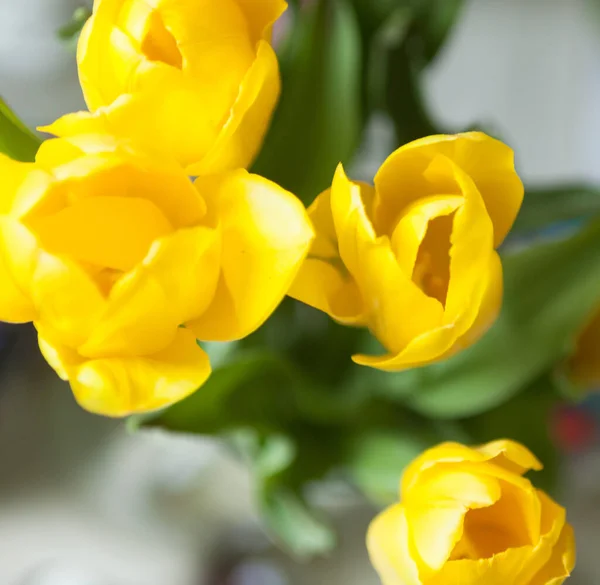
[[414, 257], [468, 516]]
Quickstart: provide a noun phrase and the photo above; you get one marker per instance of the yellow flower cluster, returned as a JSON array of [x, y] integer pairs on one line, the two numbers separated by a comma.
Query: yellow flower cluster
[[121, 262], [469, 517]]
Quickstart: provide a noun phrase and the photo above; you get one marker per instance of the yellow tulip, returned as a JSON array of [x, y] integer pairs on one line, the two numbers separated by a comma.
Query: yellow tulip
[[414, 257], [198, 80], [584, 364], [468, 516], [122, 263]]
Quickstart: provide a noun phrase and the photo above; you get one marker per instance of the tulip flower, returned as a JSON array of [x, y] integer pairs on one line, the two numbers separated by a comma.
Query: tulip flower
[[122, 264], [414, 258], [468, 516], [196, 80]]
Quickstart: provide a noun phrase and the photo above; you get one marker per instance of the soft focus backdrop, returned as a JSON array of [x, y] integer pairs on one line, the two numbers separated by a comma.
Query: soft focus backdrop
[[84, 502]]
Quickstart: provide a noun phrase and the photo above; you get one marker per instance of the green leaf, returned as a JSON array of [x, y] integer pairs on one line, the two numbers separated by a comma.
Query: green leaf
[[374, 15], [294, 525], [16, 140], [259, 389], [543, 208], [549, 292], [409, 35], [318, 122], [377, 458], [389, 36], [71, 30], [396, 74], [435, 20], [251, 390], [281, 466]]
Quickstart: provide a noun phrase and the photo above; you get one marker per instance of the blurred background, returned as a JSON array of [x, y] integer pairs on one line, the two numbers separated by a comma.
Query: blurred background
[[91, 501]]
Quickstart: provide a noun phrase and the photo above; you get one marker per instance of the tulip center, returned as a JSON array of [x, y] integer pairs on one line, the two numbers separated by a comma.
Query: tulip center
[[431, 272], [494, 529], [160, 45]]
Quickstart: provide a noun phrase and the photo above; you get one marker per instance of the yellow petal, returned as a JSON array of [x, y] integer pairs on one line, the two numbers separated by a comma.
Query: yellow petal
[[111, 232], [514, 565], [68, 300], [55, 153], [266, 236], [325, 287], [397, 310], [488, 162], [412, 228], [552, 523], [389, 548], [120, 386], [443, 342], [350, 207], [100, 165], [472, 246], [186, 265], [209, 36], [147, 305], [59, 357], [261, 14], [241, 137], [489, 309], [323, 282], [434, 530], [471, 260], [179, 129], [511, 522], [325, 244], [497, 570], [106, 57], [431, 346], [18, 252], [72, 126], [36, 192], [511, 455], [443, 453], [12, 176], [467, 488], [175, 282], [562, 560]]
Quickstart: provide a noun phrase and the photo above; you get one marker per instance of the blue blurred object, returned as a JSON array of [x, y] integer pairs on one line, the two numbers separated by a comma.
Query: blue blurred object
[[592, 403]]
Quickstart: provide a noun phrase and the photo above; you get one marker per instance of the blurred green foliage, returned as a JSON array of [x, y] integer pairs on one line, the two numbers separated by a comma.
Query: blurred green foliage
[[318, 121], [69, 32], [543, 208]]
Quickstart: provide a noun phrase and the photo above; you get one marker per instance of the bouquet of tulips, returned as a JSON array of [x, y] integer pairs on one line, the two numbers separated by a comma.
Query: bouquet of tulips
[[197, 255]]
